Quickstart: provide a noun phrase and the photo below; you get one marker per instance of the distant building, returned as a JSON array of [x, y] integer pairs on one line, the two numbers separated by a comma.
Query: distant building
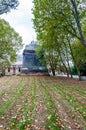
[[31, 64], [15, 68]]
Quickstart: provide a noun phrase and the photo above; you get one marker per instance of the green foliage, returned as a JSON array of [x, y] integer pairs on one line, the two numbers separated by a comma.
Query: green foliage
[[52, 17], [10, 43], [73, 70], [57, 24], [83, 70], [79, 53], [40, 55], [7, 5]]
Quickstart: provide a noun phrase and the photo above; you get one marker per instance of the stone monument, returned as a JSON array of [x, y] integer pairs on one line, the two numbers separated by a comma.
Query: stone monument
[[31, 63]]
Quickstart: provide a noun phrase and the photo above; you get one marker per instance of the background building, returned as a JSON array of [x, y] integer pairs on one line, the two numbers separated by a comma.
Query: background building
[[15, 68]]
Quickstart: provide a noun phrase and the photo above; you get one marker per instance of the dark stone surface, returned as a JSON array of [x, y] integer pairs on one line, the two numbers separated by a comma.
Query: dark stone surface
[[31, 64]]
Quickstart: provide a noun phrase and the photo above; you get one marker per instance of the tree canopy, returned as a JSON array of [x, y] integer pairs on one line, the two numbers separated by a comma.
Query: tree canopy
[[58, 23], [62, 15], [79, 53], [7, 5], [10, 43]]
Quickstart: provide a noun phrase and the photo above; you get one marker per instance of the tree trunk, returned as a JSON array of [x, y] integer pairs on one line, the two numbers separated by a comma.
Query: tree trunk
[[74, 60], [68, 61], [78, 73], [69, 68], [65, 67], [3, 71], [53, 72], [64, 64], [76, 16], [66, 70]]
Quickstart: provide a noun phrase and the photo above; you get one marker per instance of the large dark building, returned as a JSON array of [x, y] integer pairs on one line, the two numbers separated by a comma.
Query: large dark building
[[32, 64]]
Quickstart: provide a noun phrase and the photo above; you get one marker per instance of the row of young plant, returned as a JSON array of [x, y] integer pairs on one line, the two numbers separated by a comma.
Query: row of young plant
[[9, 85], [71, 101], [19, 88], [74, 88], [71, 104], [24, 118], [27, 93], [78, 105], [29, 110], [54, 122], [60, 105]]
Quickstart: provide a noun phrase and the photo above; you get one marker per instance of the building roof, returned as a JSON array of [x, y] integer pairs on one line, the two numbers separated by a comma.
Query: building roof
[[31, 46]]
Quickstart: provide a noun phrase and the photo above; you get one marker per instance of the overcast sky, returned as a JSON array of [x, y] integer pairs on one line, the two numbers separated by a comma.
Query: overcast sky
[[21, 20]]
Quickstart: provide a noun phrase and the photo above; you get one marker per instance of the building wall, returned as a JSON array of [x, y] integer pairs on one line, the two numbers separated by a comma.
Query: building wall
[[13, 70], [30, 59]]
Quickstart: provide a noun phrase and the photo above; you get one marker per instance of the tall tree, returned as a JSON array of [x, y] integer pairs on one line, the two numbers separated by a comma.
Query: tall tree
[[67, 14], [10, 43], [7, 5], [77, 19], [54, 21], [79, 53], [48, 32]]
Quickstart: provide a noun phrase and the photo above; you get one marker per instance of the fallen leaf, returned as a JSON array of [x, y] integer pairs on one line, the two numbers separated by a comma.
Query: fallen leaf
[[49, 117]]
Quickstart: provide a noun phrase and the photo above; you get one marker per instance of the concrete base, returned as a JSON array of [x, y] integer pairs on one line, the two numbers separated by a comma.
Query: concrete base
[[34, 74]]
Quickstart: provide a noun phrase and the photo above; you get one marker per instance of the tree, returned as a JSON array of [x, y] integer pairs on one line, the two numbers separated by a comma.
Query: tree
[[7, 5], [10, 44], [48, 34], [51, 57], [55, 22], [67, 14], [79, 53], [83, 70], [77, 19]]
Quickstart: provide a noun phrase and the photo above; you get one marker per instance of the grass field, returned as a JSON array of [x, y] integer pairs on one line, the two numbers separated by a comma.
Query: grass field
[[42, 103]]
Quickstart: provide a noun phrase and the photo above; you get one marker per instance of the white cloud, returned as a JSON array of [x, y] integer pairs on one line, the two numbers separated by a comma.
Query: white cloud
[[21, 20]]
